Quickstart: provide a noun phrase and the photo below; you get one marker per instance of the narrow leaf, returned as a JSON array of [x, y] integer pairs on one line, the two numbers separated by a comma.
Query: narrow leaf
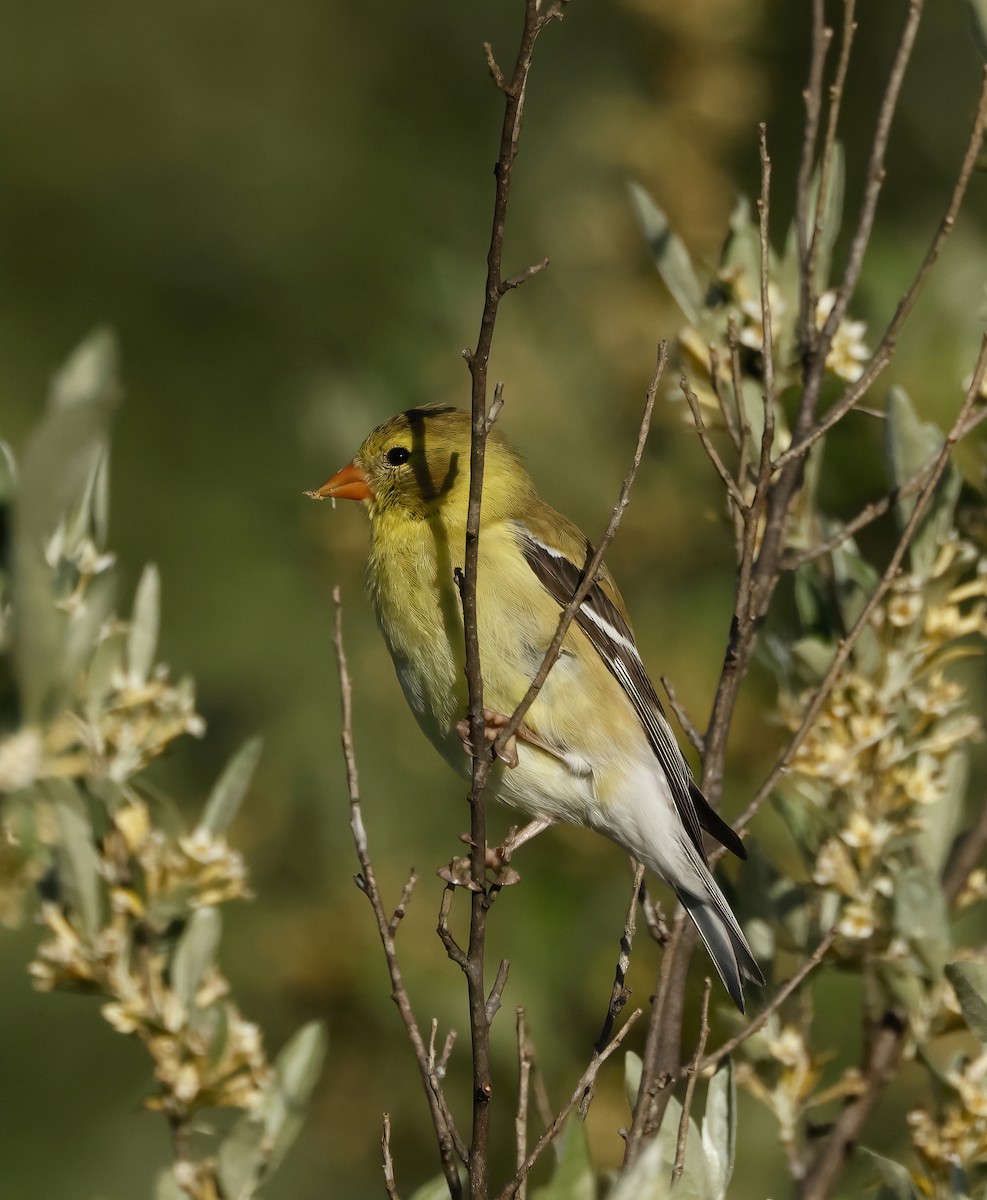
[[649, 1178], [670, 254], [142, 641], [969, 980], [897, 1181], [55, 467], [78, 863], [259, 1140], [910, 445], [227, 794], [719, 1130], [195, 954], [978, 23], [573, 1177]]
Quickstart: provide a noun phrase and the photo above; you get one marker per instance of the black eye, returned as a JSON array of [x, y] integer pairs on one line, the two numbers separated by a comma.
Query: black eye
[[398, 455]]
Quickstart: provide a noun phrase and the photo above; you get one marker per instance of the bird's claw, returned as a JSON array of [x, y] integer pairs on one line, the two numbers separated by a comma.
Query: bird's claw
[[493, 723]]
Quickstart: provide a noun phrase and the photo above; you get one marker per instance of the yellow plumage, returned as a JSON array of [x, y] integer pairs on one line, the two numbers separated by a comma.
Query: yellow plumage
[[594, 747]]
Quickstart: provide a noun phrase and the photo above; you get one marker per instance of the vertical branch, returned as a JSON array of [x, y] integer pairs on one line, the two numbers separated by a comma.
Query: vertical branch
[[478, 360], [387, 926]]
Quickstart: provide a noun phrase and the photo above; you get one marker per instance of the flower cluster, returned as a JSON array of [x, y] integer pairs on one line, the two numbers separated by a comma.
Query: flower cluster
[[887, 750]]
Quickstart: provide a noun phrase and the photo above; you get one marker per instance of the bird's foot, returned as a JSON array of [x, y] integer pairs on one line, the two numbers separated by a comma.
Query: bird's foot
[[493, 723], [499, 856]]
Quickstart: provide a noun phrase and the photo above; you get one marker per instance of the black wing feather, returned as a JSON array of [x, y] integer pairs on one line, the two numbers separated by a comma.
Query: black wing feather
[[608, 631]]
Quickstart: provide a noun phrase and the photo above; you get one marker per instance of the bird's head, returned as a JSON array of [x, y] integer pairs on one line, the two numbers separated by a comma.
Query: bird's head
[[417, 465]]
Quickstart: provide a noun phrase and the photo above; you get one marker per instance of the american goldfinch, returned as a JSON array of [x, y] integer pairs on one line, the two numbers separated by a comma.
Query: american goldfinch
[[595, 747]]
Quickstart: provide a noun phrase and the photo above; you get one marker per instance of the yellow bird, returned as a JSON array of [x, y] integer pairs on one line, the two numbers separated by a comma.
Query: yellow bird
[[595, 748]]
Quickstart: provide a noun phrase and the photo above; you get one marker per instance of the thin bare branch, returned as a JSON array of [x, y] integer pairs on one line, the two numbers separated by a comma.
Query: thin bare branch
[[620, 993], [848, 31], [813, 97], [779, 998], [767, 318], [885, 348], [515, 281], [692, 1073], [449, 1142], [385, 1149], [733, 491], [523, 1094], [497, 991], [696, 740], [535, 19], [875, 178], [719, 391], [552, 1132]]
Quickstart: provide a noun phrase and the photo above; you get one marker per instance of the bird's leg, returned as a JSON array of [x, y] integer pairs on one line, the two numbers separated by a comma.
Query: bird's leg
[[499, 856], [494, 722]]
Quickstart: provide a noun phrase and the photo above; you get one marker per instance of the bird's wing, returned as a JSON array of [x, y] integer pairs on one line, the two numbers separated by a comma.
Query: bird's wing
[[602, 617]]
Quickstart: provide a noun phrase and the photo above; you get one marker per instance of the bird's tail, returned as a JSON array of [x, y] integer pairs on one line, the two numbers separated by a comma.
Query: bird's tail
[[722, 935]]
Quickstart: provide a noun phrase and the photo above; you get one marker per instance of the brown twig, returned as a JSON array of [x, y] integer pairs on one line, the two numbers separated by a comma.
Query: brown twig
[[875, 178], [523, 1094], [388, 1161], [445, 1131], [849, 29], [683, 718], [535, 19], [692, 1074], [779, 998], [886, 347], [813, 98], [733, 491], [552, 1132], [620, 993]]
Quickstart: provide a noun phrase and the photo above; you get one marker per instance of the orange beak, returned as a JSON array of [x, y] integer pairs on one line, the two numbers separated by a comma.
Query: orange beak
[[349, 483]]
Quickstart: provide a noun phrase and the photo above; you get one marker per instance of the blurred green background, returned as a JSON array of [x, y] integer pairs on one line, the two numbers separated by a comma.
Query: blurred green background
[[283, 210]]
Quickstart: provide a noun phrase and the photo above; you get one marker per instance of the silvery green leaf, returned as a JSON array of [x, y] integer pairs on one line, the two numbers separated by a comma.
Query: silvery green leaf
[[91, 370], [813, 654], [259, 1139], [831, 217], [649, 1178], [56, 464], [855, 580], [78, 862], [742, 249], [969, 980], [85, 625], [941, 818], [921, 917], [719, 1130], [435, 1189], [8, 473], [573, 1177], [670, 254], [195, 954], [897, 1181], [910, 445], [632, 1077], [978, 23], [168, 1187], [91, 516], [692, 1184], [227, 794], [142, 641]]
